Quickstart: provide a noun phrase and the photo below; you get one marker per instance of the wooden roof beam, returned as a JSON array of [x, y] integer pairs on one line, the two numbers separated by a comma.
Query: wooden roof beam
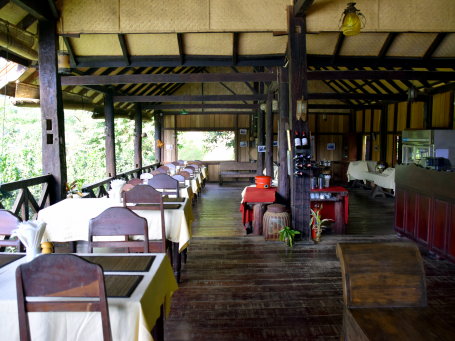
[[434, 45], [170, 78], [124, 47], [41, 10], [69, 47], [301, 6], [181, 48], [200, 106], [210, 112], [388, 42], [381, 74], [235, 48], [26, 22], [189, 98]]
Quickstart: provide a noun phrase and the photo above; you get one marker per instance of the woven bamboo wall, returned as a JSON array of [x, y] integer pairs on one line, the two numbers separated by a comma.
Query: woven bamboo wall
[[417, 118], [442, 110]]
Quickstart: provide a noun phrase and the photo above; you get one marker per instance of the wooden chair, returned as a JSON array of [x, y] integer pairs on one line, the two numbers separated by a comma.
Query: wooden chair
[[127, 187], [190, 170], [181, 162], [166, 183], [135, 182], [185, 174], [8, 223], [163, 169], [180, 178], [171, 166], [384, 294], [60, 275], [148, 198], [119, 221]]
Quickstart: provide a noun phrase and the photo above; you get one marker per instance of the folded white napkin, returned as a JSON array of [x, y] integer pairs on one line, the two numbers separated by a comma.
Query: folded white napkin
[[30, 234], [116, 186]]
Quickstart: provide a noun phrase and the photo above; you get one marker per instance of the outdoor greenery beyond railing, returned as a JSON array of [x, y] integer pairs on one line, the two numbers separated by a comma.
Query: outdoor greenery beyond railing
[[25, 205], [99, 189]]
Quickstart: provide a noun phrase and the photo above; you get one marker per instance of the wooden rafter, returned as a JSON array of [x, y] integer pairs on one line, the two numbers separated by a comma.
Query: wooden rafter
[[181, 48], [200, 106], [41, 10], [381, 74], [434, 45], [69, 47], [235, 48], [301, 6], [124, 47], [338, 46], [190, 98], [387, 44]]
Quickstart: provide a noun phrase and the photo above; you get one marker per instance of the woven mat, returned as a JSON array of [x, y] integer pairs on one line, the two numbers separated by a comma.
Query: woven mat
[[5, 259], [121, 285], [122, 263]]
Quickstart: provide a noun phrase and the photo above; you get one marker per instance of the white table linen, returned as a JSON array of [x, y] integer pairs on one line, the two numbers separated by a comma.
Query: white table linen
[[131, 318], [68, 220]]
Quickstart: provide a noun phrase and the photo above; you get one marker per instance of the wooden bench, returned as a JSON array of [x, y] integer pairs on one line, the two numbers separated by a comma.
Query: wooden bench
[[233, 169], [384, 294]]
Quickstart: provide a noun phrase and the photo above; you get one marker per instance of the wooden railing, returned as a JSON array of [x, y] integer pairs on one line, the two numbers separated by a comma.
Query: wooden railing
[[99, 189], [25, 205]]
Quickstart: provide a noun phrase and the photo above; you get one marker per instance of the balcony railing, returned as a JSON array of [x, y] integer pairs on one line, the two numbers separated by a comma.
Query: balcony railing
[[26, 205]]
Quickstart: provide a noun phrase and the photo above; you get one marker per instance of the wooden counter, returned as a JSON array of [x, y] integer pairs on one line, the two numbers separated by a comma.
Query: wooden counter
[[425, 208]]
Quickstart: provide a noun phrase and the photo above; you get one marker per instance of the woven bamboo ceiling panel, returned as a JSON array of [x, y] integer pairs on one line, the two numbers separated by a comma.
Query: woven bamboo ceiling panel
[[96, 45], [363, 44], [261, 43], [12, 13], [411, 44], [387, 15], [447, 47], [208, 44], [152, 44], [321, 43]]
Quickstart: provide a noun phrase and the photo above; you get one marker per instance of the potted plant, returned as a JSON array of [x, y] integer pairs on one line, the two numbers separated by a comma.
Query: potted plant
[[287, 235], [75, 187], [317, 224]]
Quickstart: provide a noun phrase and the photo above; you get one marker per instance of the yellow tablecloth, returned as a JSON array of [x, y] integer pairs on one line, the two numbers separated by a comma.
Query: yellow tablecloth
[[68, 220], [131, 318]]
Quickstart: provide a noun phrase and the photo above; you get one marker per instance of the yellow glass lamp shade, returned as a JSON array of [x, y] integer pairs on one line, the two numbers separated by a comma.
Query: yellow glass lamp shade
[[351, 24]]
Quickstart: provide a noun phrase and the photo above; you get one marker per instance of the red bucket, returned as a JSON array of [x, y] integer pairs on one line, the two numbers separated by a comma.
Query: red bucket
[[263, 181]]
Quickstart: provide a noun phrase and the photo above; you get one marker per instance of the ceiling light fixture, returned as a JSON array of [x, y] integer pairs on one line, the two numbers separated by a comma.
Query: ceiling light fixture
[[352, 20], [183, 112]]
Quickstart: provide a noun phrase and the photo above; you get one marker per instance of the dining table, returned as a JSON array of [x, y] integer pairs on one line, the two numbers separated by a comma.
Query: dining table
[[139, 288], [68, 221]]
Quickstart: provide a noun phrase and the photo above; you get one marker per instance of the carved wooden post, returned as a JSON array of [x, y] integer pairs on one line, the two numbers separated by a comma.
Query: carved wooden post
[[110, 135], [300, 185], [52, 116], [261, 141], [158, 119], [283, 177], [138, 136], [269, 135]]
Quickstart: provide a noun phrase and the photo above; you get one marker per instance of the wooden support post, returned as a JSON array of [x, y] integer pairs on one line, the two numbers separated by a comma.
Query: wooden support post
[[138, 136], [383, 138], [283, 177], [261, 142], [52, 116], [300, 185], [269, 135], [110, 135], [158, 119]]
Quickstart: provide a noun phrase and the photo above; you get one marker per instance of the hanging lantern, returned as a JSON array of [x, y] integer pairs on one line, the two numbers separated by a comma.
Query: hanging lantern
[[352, 20]]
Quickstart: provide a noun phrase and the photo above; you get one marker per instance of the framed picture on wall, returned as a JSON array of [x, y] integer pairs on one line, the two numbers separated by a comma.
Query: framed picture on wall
[[261, 149], [275, 143], [331, 146], [242, 131], [243, 144]]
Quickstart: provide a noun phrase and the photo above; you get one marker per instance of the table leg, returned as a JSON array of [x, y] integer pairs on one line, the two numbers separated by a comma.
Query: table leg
[[177, 261], [258, 214], [158, 329]]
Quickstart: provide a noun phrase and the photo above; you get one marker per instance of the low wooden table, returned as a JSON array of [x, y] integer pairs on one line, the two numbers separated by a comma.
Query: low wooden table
[[258, 199]]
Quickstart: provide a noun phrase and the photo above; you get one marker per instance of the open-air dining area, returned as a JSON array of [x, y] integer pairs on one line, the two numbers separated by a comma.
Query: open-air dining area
[[227, 170]]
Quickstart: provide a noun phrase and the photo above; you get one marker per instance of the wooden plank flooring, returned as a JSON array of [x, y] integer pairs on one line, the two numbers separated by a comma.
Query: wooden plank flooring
[[237, 287]]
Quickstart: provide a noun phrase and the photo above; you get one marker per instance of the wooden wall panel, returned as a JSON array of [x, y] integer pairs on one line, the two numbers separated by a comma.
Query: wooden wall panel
[[441, 110], [402, 113], [417, 119], [244, 152], [332, 155], [376, 147], [168, 121], [368, 117], [390, 117], [312, 122], [359, 121], [390, 142], [423, 218], [168, 151], [377, 121], [213, 172]]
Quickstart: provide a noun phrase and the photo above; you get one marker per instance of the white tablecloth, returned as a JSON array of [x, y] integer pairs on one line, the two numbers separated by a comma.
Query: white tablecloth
[[68, 220], [358, 169], [385, 179], [131, 318]]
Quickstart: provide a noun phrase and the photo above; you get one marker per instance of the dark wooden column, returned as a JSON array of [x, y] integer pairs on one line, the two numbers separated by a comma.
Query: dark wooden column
[[283, 177], [158, 119], [110, 135], [261, 141], [269, 135], [52, 116], [383, 136], [300, 186], [138, 136]]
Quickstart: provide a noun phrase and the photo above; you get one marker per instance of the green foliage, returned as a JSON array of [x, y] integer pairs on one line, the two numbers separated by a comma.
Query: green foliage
[[287, 235], [316, 223], [212, 139]]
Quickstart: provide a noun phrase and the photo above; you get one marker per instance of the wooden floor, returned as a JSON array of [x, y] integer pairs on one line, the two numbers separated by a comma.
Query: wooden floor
[[237, 287]]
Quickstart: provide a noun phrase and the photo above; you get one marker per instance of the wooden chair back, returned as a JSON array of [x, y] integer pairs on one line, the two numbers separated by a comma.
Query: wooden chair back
[[185, 174], [148, 198], [166, 183], [175, 163], [190, 170], [180, 178], [60, 275], [127, 187], [119, 221], [382, 275], [135, 182], [8, 223], [170, 166], [163, 169]]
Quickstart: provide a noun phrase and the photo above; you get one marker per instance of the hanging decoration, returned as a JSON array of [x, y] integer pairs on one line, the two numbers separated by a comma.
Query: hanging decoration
[[352, 20]]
